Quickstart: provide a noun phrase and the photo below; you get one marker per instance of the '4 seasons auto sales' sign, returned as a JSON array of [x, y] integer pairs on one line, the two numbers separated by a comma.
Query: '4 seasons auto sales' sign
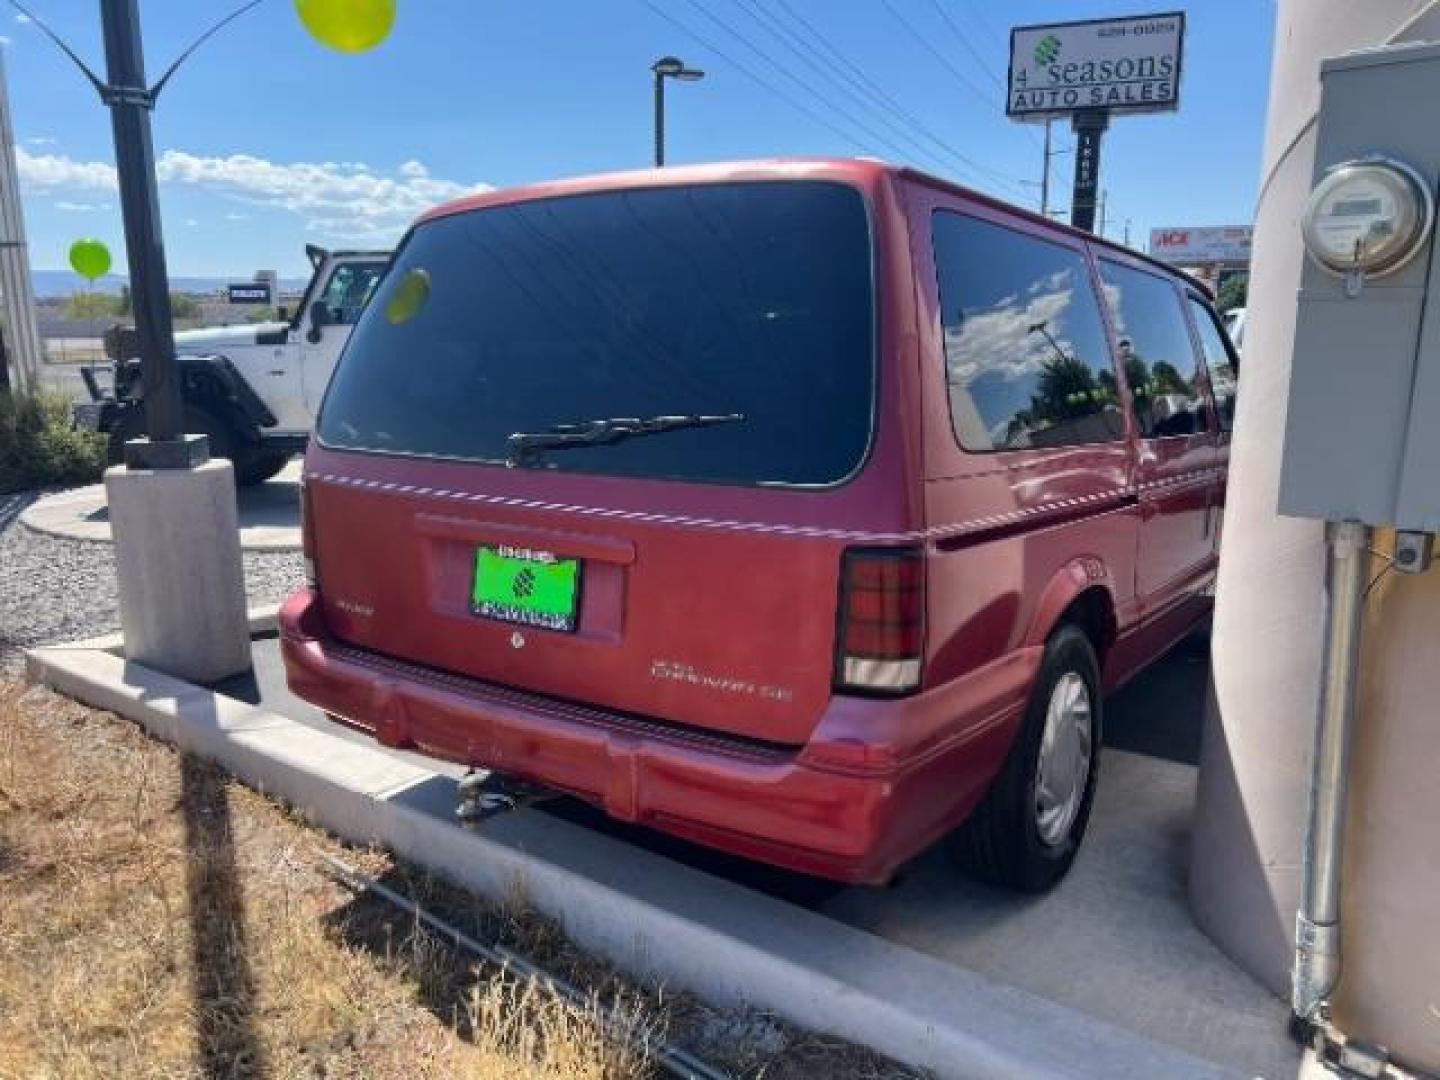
[[1120, 65]]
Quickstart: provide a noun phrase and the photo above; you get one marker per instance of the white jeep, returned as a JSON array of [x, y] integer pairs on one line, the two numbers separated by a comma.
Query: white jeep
[[253, 388]]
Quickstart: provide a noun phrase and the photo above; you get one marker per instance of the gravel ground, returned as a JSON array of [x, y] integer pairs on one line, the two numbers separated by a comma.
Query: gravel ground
[[54, 590]]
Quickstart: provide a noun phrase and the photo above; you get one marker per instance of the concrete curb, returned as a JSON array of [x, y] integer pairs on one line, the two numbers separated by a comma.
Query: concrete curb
[[71, 515], [649, 916], [264, 620]]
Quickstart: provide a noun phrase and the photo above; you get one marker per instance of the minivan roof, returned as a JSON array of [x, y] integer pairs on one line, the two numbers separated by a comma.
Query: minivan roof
[[863, 171]]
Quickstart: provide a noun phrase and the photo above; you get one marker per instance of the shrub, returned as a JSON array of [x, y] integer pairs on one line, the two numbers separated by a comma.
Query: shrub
[[40, 445]]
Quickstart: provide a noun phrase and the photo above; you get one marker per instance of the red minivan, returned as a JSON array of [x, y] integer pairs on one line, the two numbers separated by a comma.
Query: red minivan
[[802, 508]]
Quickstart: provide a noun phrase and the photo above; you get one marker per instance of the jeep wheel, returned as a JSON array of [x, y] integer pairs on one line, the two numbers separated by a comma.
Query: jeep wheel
[[258, 465], [252, 464], [1026, 831]]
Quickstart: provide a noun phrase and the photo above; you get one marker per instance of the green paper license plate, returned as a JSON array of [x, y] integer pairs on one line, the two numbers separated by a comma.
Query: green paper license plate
[[519, 585]]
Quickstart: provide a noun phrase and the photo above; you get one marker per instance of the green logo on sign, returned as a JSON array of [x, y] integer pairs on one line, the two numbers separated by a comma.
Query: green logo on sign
[[1046, 50]]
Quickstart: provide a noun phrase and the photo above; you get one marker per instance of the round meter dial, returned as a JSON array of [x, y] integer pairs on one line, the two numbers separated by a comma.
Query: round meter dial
[[1368, 217]]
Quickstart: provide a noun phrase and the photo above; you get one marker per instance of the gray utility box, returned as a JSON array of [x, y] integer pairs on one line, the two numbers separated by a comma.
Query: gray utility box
[[1362, 438]]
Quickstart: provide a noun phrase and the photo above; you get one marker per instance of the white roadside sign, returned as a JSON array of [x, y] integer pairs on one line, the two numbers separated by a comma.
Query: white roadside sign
[[1224, 244], [1121, 65]]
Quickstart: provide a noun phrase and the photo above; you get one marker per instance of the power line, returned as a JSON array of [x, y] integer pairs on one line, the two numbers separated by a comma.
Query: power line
[[757, 79], [965, 41], [944, 60], [856, 91], [868, 132], [865, 128], [929, 47], [861, 79], [982, 21]]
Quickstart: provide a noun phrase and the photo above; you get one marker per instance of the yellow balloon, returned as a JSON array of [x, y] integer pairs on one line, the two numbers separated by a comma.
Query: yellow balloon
[[348, 25], [408, 297]]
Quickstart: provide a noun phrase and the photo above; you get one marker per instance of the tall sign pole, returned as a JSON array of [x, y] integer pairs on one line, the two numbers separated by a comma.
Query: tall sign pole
[[21, 338], [130, 101], [1090, 125], [1088, 72]]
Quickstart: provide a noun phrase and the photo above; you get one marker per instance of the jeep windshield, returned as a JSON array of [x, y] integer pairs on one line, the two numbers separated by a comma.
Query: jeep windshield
[[750, 300]]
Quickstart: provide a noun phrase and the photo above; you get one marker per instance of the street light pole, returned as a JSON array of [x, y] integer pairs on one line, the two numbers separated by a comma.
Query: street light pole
[[130, 101], [668, 67], [659, 117]]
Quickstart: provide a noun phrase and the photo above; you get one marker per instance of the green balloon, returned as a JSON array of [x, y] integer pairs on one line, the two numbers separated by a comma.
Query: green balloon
[[347, 25], [90, 258], [408, 297]]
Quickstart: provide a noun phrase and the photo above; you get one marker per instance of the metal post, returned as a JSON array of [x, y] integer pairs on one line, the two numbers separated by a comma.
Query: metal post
[[129, 100], [1045, 176], [1104, 194], [1090, 125], [659, 120], [23, 338], [1317, 924]]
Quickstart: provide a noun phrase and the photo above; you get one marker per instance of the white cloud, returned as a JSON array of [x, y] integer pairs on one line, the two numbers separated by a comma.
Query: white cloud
[[343, 199], [191, 222], [347, 200], [44, 172], [81, 207], [40, 140], [22, 18], [232, 216]]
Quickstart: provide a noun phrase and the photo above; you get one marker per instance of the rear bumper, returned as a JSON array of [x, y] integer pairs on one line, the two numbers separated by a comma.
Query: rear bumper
[[877, 782]]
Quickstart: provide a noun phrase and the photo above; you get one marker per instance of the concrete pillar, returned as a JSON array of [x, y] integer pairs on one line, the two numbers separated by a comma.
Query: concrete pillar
[[1389, 990], [177, 558], [17, 298], [1250, 812]]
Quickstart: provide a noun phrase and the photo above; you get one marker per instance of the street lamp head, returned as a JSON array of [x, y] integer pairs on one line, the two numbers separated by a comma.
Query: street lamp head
[[672, 67]]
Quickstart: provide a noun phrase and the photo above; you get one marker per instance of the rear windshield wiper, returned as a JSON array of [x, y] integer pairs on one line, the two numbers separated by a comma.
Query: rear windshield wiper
[[525, 446]]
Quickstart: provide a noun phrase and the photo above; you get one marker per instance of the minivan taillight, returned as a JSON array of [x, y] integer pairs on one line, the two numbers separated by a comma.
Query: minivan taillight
[[307, 536], [881, 630]]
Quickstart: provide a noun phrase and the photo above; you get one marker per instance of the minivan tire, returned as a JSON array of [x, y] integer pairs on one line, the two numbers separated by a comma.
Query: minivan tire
[[1001, 842]]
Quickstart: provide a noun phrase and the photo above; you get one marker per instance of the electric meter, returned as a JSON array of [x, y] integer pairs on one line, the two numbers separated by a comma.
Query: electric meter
[[1368, 217]]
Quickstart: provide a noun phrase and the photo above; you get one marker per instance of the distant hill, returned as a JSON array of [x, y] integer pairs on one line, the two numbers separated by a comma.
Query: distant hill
[[64, 282]]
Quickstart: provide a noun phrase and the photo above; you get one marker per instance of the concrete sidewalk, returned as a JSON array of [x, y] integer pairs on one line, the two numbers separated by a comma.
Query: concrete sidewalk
[[652, 914], [1115, 940], [269, 513]]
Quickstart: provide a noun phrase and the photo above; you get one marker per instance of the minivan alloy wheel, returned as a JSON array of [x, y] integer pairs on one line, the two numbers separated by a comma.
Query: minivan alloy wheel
[[1063, 768]]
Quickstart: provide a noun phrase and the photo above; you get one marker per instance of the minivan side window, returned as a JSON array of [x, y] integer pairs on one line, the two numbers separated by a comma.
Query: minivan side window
[[1218, 362], [1026, 361], [1155, 351]]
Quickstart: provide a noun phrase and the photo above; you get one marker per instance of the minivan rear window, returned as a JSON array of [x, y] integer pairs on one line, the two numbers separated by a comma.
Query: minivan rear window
[[747, 306]]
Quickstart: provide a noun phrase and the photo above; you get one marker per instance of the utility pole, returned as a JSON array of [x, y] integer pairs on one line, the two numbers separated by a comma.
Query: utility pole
[[130, 101], [1045, 176], [1127, 232], [1104, 194], [21, 337]]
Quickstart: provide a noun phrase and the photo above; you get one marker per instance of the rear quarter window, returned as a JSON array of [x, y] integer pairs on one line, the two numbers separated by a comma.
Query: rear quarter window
[[1026, 360], [1155, 352]]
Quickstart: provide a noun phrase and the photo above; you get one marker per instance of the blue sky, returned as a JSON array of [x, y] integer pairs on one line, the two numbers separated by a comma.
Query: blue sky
[[268, 139]]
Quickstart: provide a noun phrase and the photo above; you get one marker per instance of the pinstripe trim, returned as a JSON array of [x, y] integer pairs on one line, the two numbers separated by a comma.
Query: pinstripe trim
[[935, 532]]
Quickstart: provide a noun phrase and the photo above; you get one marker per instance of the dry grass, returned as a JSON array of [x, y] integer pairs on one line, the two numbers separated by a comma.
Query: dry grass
[[160, 920]]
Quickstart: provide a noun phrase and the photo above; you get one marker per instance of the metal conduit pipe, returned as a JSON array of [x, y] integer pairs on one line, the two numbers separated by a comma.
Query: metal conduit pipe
[[1317, 923]]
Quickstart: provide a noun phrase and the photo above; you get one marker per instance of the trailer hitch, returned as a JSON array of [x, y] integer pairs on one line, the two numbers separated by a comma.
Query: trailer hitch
[[481, 796]]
